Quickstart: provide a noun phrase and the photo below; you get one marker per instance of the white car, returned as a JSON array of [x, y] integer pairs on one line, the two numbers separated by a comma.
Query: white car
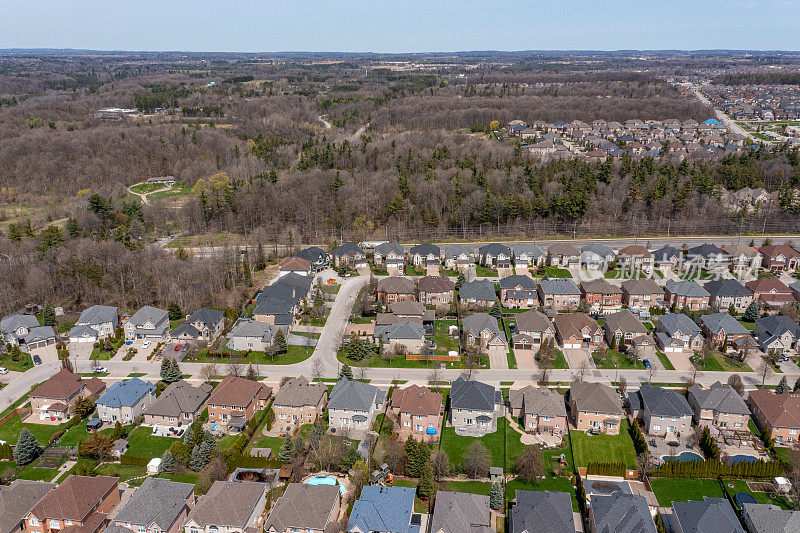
[[100, 370], [145, 345], [3, 370]]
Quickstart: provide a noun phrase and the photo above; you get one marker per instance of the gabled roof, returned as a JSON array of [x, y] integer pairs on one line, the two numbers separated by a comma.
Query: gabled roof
[[559, 286], [14, 322], [158, 501], [185, 329], [518, 281], [385, 509], [573, 324], [313, 254], [179, 397], [206, 316], [621, 513], [542, 512], [727, 288], [599, 286], [299, 284], [767, 518], [98, 314], [529, 249], [712, 515], [642, 286], [250, 328], [481, 290], [454, 250], [17, 499], [404, 329], [776, 325], [595, 397], [768, 285], [385, 248], [466, 393], [461, 512], [295, 263], [148, 313], [563, 249], [626, 322], [417, 401], [425, 249], [435, 284], [666, 254], [533, 320], [477, 323], [597, 249], [39, 333], [352, 395], [634, 250], [775, 250], [741, 250], [240, 392], [539, 401], [348, 249], [229, 503], [723, 322], [495, 249], [126, 393], [396, 285], [62, 386], [707, 251], [673, 322], [719, 397], [299, 392], [82, 331], [660, 402], [686, 288], [75, 498], [780, 410]]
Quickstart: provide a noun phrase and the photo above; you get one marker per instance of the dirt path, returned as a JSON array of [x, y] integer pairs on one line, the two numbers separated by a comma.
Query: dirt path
[[143, 196]]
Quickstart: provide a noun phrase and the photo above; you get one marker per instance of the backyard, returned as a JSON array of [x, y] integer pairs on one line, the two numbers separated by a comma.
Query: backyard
[[9, 431], [496, 443], [441, 334], [603, 448], [141, 443], [668, 490]]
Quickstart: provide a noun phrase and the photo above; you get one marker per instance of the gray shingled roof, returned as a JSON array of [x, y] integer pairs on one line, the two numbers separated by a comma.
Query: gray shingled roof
[[299, 392], [598, 249], [151, 314], [303, 507], [672, 322], [518, 281], [461, 512], [776, 325], [727, 288], [228, 503], [466, 393], [686, 288], [595, 397], [348, 249], [179, 397], [719, 397], [559, 286], [478, 322], [313, 254], [385, 509], [540, 401], [621, 513], [13, 322], [454, 250], [206, 316], [17, 499], [482, 289], [542, 512], [351, 395], [723, 322], [400, 330], [660, 401], [158, 501], [495, 249], [712, 515], [533, 320], [767, 518], [626, 322], [666, 254], [425, 249], [531, 250], [98, 314], [386, 248]]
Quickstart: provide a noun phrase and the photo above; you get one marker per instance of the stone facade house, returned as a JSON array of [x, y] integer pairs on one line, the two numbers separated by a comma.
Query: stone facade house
[[663, 412], [494, 254], [229, 506], [104, 319], [354, 405], [528, 255], [402, 337], [474, 407], [299, 402], [726, 293], [418, 412], [147, 323], [622, 327], [779, 257], [424, 254], [349, 254], [235, 400], [686, 293], [719, 406], [595, 408], [563, 255], [78, 502], [777, 333], [676, 332], [539, 410], [179, 405], [481, 329]]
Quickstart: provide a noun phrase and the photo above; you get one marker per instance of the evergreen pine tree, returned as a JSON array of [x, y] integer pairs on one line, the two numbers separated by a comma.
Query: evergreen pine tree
[[48, 315], [496, 311], [196, 459], [286, 452], [796, 385], [752, 312], [165, 369], [280, 342], [425, 486], [27, 449], [346, 372], [168, 463], [173, 372], [460, 280], [783, 386], [73, 230], [174, 311], [412, 457], [260, 262], [496, 496]]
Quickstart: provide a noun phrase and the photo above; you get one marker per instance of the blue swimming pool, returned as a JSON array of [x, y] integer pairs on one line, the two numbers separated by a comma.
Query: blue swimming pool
[[733, 459], [683, 457], [327, 480]]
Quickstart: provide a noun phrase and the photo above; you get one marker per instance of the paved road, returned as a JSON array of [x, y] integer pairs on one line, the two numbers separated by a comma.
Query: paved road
[[725, 119], [328, 125]]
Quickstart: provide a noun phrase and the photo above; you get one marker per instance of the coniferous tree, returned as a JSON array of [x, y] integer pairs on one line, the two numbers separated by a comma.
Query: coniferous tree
[[346, 372], [174, 311], [496, 496], [168, 463], [165, 369], [48, 315], [783, 386], [752, 312], [496, 311], [286, 452], [27, 448], [280, 342], [425, 487]]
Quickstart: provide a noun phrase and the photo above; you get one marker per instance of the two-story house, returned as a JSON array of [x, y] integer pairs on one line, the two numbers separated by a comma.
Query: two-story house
[[481, 329], [228, 506], [104, 319], [622, 327], [424, 254], [349, 254], [771, 292], [686, 293], [727, 293], [642, 293], [305, 508], [16, 501], [779, 257], [743, 258], [294, 265], [777, 333], [474, 407], [663, 412], [528, 255], [676, 332], [722, 329], [539, 410], [299, 402], [417, 412], [124, 401], [531, 329], [635, 258], [235, 400], [389, 509], [391, 256], [54, 399], [559, 293], [596, 256], [518, 292], [148, 323], [595, 408], [437, 291], [158, 506], [777, 413], [563, 255], [478, 293], [719, 406], [203, 325], [316, 256], [178, 405], [396, 289], [79, 501], [353, 405], [494, 254], [601, 296], [578, 330]]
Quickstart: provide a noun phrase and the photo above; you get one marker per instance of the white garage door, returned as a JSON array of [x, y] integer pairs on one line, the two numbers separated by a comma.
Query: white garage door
[[572, 345], [669, 349], [81, 339]]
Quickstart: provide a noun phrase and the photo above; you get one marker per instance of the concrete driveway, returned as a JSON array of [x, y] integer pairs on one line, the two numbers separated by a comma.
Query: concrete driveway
[[80, 350], [680, 360], [498, 358], [577, 357], [46, 353], [526, 359], [141, 353]]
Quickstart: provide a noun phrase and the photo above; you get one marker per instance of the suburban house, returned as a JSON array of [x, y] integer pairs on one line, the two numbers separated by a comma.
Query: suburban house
[[481, 329], [707, 256], [595, 408], [518, 292], [696, 516], [676, 332], [457, 257], [779, 257], [390, 255], [620, 511], [16, 501], [316, 256], [396, 289], [528, 255], [77, 502], [408, 310], [104, 319], [668, 257], [230, 506], [147, 323], [641, 293], [203, 325], [543, 511], [663, 412], [24, 331], [795, 287], [635, 257], [494, 254], [478, 293], [578, 330], [600, 295], [349, 254], [770, 291], [250, 335], [539, 410], [622, 327], [559, 293], [474, 407], [296, 265], [305, 508], [743, 257], [125, 400], [777, 413], [531, 328], [686, 293], [179, 404], [275, 307], [723, 329], [563, 255], [405, 336], [437, 291], [719, 406], [424, 254], [596, 256], [235, 400], [384, 509], [158, 506], [777, 333], [726, 293], [418, 412], [55, 398], [457, 512], [768, 518], [299, 402], [354, 405]]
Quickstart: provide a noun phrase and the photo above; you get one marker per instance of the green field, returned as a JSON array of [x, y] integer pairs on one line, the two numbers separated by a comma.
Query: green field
[[141, 443], [144, 188], [616, 359], [603, 448], [668, 490], [444, 342], [471, 487]]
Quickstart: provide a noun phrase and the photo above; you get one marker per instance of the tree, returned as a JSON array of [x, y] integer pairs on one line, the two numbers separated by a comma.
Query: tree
[[425, 487], [174, 311], [783, 386], [208, 372], [165, 369], [623, 384], [168, 463], [496, 311], [286, 452], [48, 315], [460, 280], [751, 314], [763, 371], [496, 496], [280, 342], [27, 449], [796, 385], [528, 465], [96, 446], [84, 407], [709, 445], [260, 261], [346, 372], [73, 229], [475, 461], [440, 463], [735, 381]]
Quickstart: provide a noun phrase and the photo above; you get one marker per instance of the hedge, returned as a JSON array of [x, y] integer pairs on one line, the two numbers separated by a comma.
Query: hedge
[[247, 461], [711, 468], [616, 468]]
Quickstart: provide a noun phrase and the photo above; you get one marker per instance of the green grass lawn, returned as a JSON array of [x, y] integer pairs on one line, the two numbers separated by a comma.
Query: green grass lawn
[[226, 442], [9, 431], [554, 272], [144, 188], [444, 342], [716, 362], [123, 472], [549, 483], [362, 319], [485, 272], [75, 435], [665, 360], [141, 443], [739, 485], [401, 362], [625, 273], [470, 487], [616, 359], [7, 466], [559, 361], [514, 447], [512, 359], [294, 354], [22, 365], [33, 473], [603, 448], [668, 490], [455, 444], [750, 326]]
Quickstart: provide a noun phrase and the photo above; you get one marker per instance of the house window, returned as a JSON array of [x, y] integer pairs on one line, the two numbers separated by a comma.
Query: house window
[[141, 528], [656, 427], [33, 522], [792, 432], [68, 522], [54, 524]]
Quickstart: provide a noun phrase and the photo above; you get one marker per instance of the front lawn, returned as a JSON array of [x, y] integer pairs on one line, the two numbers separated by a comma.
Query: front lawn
[[549, 483], [22, 365], [665, 360], [615, 359], [668, 490], [9, 431], [401, 362], [485, 272], [455, 444], [717, 362], [603, 448], [141, 443], [555, 272]]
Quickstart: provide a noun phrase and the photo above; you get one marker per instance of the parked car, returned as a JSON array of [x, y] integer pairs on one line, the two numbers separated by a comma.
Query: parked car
[[37, 360], [646, 363], [177, 347], [3, 370], [100, 370], [146, 344]]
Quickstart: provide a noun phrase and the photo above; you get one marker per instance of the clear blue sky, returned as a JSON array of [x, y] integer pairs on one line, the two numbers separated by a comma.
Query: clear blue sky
[[400, 25]]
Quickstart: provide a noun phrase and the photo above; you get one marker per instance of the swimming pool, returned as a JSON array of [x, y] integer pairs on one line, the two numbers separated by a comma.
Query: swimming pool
[[733, 459], [327, 480], [683, 457]]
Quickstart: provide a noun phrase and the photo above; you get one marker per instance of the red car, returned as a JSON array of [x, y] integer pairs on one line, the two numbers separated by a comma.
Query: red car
[[177, 347]]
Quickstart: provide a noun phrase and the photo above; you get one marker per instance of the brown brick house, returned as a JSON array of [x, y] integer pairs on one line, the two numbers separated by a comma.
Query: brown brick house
[[635, 257], [78, 502], [539, 409], [417, 409], [686, 293], [778, 413], [779, 257], [641, 293], [55, 398], [595, 408], [578, 330], [600, 294], [298, 402], [436, 290], [395, 289], [236, 400], [770, 291], [720, 406]]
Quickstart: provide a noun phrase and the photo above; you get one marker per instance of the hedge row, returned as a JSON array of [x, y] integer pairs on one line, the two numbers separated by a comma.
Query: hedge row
[[711, 468], [616, 468]]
